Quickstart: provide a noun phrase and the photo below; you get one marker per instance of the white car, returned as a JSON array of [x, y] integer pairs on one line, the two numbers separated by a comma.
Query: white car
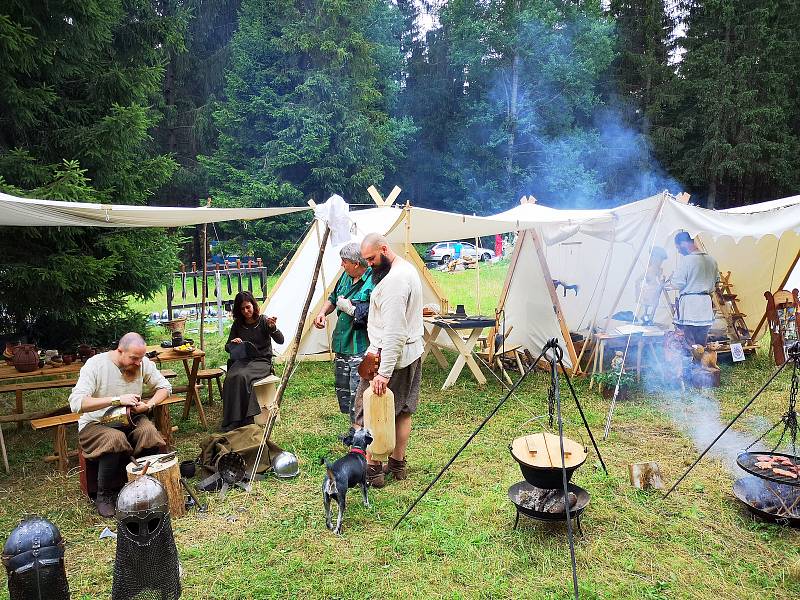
[[446, 251]]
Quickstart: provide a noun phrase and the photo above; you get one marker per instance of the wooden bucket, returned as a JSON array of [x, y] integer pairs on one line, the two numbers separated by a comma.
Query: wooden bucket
[[379, 419], [169, 474]]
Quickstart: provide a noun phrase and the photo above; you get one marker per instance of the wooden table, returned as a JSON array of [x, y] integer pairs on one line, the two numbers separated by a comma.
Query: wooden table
[[452, 325], [170, 355]]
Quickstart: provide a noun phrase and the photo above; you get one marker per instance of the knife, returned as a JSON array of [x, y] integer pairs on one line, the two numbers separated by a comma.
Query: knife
[[194, 278], [250, 276], [239, 273], [183, 281], [228, 277], [261, 276]]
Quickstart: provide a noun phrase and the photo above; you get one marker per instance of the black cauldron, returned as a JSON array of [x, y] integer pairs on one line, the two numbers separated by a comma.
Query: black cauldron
[[544, 477]]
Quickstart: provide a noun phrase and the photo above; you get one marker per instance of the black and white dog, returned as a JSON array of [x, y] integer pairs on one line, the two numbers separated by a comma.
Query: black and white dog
[[349, 471]]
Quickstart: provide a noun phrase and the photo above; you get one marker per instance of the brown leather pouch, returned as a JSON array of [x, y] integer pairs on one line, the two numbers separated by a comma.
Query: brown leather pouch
[[369, 365]]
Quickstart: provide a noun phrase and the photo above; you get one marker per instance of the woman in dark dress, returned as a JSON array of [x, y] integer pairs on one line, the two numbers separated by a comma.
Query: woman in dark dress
[[250, 346]]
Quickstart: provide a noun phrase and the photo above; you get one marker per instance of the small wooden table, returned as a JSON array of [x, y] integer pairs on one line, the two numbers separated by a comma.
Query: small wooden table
[[452, 324], [170, 355]]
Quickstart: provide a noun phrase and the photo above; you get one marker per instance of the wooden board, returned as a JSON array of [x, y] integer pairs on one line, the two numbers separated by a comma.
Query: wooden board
[[379, 419], [544, 450]]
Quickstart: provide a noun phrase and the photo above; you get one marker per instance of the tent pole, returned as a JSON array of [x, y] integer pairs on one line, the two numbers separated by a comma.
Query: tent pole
[[477, 275], [328, 332], [289, 365], [204, 287]]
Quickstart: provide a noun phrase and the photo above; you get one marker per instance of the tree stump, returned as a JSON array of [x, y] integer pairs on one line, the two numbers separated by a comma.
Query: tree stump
[[645, 476], [169, 475]]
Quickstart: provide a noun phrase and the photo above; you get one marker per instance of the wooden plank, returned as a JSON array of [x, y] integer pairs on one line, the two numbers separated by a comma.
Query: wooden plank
[[38, 385], [48, 422]]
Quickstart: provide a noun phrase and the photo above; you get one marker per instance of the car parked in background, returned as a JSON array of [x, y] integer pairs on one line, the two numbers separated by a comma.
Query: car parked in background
[[446, 251]]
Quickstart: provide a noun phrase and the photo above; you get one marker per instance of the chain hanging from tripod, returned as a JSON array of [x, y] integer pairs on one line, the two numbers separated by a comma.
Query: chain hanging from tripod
[[790, 417]]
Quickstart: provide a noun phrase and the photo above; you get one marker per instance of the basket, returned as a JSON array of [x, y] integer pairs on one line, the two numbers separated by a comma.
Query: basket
[[175, 325]]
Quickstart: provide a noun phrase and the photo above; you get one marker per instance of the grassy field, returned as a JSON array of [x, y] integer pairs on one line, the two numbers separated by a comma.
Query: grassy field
[[459, 541]]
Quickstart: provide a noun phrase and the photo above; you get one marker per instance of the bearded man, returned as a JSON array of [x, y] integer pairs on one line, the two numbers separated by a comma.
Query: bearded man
[[108, 381], [395, 332]]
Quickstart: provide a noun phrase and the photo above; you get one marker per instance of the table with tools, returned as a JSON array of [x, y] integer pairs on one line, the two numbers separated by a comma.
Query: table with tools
[[196, 356], [453, 325]]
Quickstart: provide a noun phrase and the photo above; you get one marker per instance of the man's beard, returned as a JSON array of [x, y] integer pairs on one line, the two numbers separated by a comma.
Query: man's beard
[[130, 373], [380, 270]]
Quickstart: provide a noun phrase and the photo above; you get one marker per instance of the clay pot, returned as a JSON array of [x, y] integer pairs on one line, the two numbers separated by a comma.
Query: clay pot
[[26, 359], [84, 351]]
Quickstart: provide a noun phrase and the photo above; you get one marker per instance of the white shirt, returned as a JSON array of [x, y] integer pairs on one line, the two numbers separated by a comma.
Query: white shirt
[[395, 318], [695, 278], [101, 378]]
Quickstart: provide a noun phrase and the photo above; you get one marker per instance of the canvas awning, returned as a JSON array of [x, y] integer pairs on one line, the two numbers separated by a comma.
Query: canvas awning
[[24, 212]]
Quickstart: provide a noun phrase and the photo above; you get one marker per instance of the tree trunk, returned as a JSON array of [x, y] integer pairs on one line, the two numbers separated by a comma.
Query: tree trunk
[[712, 193], [512, 122]]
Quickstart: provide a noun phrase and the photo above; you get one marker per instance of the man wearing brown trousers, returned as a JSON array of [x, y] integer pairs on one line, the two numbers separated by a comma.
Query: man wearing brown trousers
[[395, 329]]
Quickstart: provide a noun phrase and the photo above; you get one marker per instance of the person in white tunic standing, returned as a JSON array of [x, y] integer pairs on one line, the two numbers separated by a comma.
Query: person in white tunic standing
[[108, 381], [695, 279], [395, 331]]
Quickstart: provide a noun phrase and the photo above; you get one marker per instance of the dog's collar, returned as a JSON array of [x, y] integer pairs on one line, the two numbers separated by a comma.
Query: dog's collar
[[358, 451]]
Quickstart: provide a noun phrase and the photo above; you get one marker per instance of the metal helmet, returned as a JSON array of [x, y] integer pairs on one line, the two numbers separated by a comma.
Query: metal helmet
[[285, 465], [34, 560], [142, 507]]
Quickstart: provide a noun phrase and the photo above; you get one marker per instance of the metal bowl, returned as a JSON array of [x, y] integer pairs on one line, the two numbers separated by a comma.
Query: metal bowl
[[580, 505], [751, 488]]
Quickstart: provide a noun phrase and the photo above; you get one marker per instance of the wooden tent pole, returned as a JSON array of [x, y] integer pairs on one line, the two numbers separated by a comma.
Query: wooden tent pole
[[204, 287], [477, 275], [289, 365]]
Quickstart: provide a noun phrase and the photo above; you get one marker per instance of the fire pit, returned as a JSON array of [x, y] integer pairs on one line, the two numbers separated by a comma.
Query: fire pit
[[772, 501], [545, 504]]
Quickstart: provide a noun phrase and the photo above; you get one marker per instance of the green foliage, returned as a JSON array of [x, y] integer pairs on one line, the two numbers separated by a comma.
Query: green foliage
[[305, 114], [735, 133], [82, 80], [610, 379]]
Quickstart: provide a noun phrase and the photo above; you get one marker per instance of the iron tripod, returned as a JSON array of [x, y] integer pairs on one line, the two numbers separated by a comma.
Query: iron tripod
[[554, 401]]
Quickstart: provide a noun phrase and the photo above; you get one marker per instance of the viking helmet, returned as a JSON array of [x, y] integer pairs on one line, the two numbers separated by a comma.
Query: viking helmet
[[34, 560], [142, 506], [285, 465], [146, 564]]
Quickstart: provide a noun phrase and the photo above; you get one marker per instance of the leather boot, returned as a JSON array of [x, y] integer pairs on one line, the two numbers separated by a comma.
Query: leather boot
[[375, 476], [105, 504], [397, 468]]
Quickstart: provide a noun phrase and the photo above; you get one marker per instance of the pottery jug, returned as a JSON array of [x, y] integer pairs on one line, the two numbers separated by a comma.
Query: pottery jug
[[26, 358]]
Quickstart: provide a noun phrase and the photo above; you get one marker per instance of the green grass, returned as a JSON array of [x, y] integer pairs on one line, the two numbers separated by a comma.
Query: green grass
[[459, 541]]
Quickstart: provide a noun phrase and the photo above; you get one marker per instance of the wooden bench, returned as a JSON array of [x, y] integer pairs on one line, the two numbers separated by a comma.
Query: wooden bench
[[62, 453], [50, 384]]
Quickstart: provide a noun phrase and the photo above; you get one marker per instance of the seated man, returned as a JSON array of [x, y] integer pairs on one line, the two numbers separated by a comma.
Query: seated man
[[109, 380]]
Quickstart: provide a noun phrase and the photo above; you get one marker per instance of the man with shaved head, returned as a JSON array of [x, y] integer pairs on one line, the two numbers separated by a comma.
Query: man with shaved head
[[107, 382], [395, 333]]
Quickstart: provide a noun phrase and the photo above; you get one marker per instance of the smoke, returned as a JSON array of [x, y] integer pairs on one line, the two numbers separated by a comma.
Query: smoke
[[698, 416]]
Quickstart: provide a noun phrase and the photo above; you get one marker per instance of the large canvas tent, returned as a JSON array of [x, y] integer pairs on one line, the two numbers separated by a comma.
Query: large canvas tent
[[284, 301]]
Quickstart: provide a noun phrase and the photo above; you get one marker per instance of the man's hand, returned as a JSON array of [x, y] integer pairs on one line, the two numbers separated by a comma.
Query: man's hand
[[140, 408], [379, 383], [344, 305], [319, 320], [129, 400], [271, 321], [236, 341]]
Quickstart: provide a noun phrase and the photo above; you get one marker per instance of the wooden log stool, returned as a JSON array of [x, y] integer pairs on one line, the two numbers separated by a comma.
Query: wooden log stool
[[169, 474], [208, 375]]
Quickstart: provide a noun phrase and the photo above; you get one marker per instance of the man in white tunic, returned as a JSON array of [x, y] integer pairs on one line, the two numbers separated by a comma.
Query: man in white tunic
[[108, 381], [395, 332], [695, 279]]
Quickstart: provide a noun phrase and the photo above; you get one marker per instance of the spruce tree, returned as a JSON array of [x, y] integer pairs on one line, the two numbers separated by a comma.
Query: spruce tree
[[738, 115], [306, 112], [81, 79]]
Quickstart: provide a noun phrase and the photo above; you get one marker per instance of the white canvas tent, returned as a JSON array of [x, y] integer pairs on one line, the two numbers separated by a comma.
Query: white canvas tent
[[25, 212], [291, 287]]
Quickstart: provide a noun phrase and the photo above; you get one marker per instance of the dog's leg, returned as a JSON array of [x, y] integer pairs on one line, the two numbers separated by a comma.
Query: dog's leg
[[326, 500], [338, 530], [363, 485]]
